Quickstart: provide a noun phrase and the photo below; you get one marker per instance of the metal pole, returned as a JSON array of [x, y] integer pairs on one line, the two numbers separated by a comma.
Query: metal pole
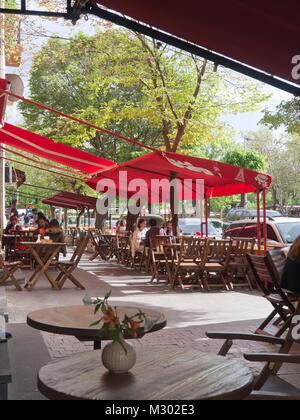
[[265, 220], [258, 221], [2, 152]]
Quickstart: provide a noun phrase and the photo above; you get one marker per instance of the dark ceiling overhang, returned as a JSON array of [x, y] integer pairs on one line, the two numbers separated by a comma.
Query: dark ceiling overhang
[[257, 38]]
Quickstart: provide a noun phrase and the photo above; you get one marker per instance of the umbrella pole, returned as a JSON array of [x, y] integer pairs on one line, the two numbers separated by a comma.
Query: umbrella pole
[[174, 204], [265, 220], [258, 221]]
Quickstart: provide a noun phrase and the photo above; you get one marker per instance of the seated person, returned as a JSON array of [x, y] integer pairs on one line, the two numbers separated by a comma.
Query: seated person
[[43, 224], [290, 279], [56, 234], [153, 231], [137, 237], [10, 228]]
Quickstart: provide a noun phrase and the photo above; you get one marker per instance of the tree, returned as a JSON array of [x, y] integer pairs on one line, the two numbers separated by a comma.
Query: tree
[[248, 159], [282, 155], [136, 87], [287, 114]]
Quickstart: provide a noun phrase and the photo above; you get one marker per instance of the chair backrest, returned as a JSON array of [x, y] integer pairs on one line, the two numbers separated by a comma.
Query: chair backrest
[[242, 246], [279, 259], [194, 247], [267, 277], [219, 249], [1, 261], [157, 242], [80, 248]]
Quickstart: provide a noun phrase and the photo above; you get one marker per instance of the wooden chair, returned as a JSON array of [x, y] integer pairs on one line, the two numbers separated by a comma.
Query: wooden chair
[[267, 384], [189, 266], [8, 270], [217, 258], [101, 246], [238, 267], [67, 267], [268, 280], [157, 257], [123, 248]]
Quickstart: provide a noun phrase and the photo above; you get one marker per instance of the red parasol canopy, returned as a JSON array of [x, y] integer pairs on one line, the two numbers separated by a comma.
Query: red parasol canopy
[[48, 149], [220, 179], [68, 200]]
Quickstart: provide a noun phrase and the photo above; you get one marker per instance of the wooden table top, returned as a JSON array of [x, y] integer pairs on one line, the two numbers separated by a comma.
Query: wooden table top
[[37, 244], [76, 321], [159, 374]]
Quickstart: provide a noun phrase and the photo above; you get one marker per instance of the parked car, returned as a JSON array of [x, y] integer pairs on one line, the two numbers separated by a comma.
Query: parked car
[[240, 213], [280, 230], [219, 225], [191, 226]]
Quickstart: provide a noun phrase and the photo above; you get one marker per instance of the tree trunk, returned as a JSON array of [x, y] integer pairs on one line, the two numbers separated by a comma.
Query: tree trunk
[[79, 216], [174, 205]]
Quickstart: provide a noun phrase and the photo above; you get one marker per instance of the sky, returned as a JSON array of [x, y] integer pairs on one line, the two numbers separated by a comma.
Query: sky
[[242, 122]]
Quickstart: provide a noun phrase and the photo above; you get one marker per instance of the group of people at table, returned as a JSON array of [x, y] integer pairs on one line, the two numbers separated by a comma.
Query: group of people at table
[[39, 226]]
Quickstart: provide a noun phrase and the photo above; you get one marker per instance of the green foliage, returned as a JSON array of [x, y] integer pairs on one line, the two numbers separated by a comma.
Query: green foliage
[[249, 159], [136, 87], [287, 114]]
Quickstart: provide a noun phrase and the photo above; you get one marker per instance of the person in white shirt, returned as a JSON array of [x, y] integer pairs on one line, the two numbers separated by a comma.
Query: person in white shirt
[[137, 236]]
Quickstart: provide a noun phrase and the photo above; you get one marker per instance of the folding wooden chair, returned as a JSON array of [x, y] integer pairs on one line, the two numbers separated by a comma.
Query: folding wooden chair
[[8, 270], [158, 260], [123, 248], [238, 267], [267, 385], [268, 280], [101, 246], [189, 266], [67, 268], [217, 258]]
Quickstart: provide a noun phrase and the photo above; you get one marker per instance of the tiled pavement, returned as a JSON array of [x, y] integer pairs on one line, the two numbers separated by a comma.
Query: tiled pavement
[[189, 314]]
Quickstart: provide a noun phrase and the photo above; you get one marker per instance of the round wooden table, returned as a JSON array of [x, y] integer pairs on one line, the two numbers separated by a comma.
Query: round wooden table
[[159, 374], [76, 321]]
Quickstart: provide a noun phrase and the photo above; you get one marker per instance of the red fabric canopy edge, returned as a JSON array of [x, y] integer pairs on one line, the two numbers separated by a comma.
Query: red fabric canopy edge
[[70, 200], [220, 179], [262, 34], [48, 149]]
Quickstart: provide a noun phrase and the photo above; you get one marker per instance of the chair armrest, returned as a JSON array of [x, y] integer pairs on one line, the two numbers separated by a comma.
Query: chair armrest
[[272, 357], [264, 395], [247, 337]]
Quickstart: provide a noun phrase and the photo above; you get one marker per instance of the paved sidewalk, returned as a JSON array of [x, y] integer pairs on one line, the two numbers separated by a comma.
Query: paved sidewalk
[[189, 314]]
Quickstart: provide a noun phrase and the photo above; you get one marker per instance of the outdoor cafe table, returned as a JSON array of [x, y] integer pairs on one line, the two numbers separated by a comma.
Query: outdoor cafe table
[[43, 262], [77, 320], [164, 373]]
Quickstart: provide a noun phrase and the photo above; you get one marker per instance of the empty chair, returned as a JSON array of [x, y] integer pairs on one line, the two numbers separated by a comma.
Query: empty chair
[[67, 267], [238, 267], [268, 280], [217, 258], [8, 270]]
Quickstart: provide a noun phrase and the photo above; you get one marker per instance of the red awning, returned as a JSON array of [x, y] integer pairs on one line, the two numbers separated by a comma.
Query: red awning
[[220, 179], [262, 34], [48, 149], [68, 200]]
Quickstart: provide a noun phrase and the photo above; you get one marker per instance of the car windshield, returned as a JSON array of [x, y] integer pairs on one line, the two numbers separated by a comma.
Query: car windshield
[[192, 229], [289, 231]]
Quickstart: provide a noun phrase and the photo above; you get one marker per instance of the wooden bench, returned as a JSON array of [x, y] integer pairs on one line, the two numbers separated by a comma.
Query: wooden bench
[[5, 371]]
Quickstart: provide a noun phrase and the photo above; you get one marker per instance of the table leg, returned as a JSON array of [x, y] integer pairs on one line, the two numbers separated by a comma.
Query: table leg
[[97, 345], [43, 266]]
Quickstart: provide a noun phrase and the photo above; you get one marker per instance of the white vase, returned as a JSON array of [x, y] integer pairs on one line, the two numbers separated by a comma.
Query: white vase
[[117, 357]]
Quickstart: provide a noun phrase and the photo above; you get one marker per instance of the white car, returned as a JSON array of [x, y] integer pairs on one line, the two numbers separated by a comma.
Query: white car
[[191, 226]]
